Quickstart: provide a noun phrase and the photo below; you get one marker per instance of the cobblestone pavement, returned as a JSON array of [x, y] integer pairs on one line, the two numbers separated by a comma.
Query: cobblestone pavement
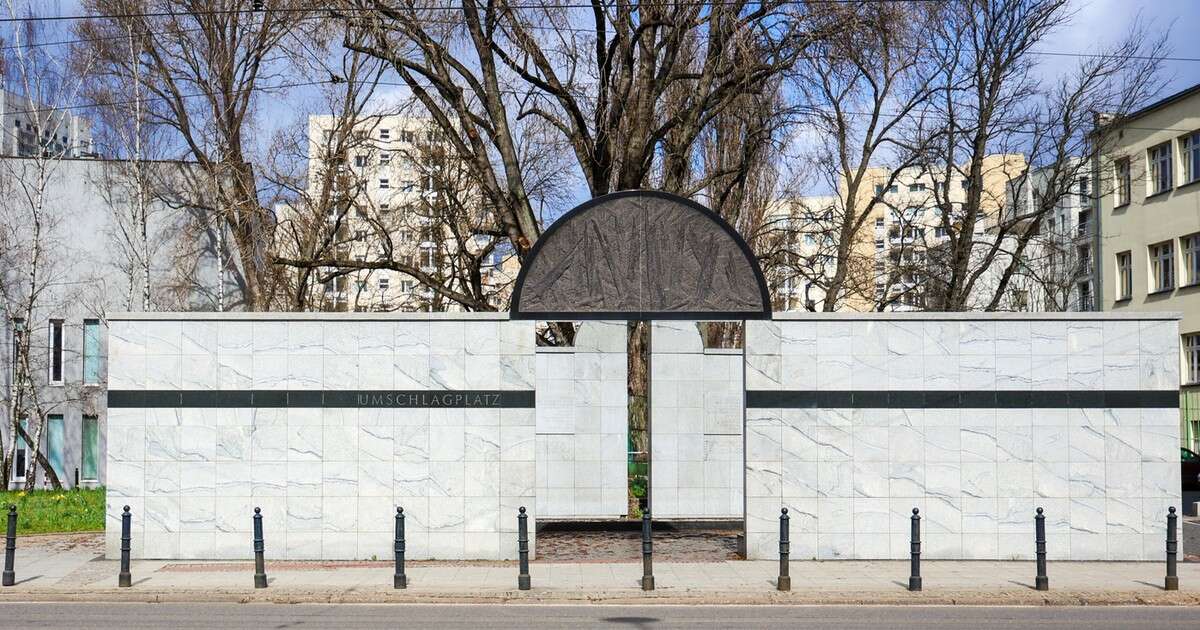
[[670, 545]]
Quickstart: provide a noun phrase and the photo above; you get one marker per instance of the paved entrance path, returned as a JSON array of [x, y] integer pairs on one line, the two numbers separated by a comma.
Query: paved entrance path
[[49, 570]]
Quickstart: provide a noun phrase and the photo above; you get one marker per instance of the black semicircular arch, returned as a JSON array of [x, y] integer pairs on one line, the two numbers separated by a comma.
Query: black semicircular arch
[[640, 254]]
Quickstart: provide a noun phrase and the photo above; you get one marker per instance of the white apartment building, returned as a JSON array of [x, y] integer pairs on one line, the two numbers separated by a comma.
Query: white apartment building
[[801, 229], [29, 128], [1058, 270], [390, 171]]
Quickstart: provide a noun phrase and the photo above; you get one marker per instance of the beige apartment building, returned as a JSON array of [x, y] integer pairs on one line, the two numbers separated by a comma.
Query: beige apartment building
[[399, 190], [1149, 208], [889, 255]]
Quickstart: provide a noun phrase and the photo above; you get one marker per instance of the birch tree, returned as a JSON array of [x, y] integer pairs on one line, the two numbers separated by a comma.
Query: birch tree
[[36, 268]]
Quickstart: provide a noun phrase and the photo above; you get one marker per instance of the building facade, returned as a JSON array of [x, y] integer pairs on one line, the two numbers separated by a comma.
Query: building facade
[[1057, 271], [893, 252], [88, 265], [30, 128], [1149, 208], [388, 187]]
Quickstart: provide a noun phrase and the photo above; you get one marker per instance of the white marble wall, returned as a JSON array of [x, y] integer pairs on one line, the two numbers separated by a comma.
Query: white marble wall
[[695, 425], [328, 480], [850, 477], [582, 426]]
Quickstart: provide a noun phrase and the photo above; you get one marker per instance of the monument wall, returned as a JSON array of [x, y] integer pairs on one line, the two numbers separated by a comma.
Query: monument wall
[[582, 424], [695, 425], [328, 423], [975, 419]]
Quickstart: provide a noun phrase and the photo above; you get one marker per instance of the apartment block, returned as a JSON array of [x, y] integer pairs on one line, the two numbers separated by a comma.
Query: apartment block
[[28, 128], [408, 200], [1149, 208], [1057, 271], [890, 255]]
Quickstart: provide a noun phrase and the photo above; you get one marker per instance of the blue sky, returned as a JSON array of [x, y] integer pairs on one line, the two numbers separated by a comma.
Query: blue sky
[[1096, 24]]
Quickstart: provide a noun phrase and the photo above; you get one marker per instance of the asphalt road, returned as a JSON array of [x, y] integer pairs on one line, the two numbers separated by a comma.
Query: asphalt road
[[348, 616]]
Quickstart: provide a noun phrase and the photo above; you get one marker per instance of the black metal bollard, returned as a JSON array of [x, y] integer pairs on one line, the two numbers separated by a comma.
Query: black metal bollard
[[124, 580], [1172, 581], [914, 579], [647, 554], [1041, 581], [785, 548], [10, 547], [260, 569], [399, 580], [523, 549]]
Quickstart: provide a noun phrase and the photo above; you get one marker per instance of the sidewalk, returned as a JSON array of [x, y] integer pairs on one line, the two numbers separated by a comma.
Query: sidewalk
[[78, 573]]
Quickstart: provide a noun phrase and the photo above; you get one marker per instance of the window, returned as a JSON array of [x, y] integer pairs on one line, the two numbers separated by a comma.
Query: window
[[360, 235], [385, 134], [428, 257], [878, 244], [940, 232], [360, 161], [1123, 181], [1191, 259], [91, 351], [18, 328], [54, 444], [383, 283], [893, 188], [1191, 353], [1160, 168], [966, 183], [406, 286], [1162, 266], [916, 187], [385, 207], [878, 189], [1189, 152], [1085, 195], [1085, 296], [407, 136], [1083, 254], [21, 458], [56, 351], [1085, 222], [90, 454], [384, 183], [1020, 299], [1124, 275], [878, 222], [385, 158]]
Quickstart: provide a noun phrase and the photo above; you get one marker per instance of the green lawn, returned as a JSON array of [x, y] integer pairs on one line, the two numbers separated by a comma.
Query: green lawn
[[46, 511]]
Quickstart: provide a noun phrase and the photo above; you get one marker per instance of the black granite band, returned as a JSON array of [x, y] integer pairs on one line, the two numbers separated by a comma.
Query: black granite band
[[400, 399], [966, 399]]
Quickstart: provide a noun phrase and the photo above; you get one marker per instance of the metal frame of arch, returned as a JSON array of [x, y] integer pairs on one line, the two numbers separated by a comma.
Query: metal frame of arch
[[517, 312]]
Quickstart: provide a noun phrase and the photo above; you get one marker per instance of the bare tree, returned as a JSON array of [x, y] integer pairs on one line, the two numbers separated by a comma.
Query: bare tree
[[207, 63], [860, 88], [993, 102], [36, 287]]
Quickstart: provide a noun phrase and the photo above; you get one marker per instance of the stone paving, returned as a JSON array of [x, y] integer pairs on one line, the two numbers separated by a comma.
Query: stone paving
[[670, 545], [74, 570]]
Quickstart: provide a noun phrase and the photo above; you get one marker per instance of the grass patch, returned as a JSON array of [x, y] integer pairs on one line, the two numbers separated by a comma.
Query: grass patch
[[49, 511]]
